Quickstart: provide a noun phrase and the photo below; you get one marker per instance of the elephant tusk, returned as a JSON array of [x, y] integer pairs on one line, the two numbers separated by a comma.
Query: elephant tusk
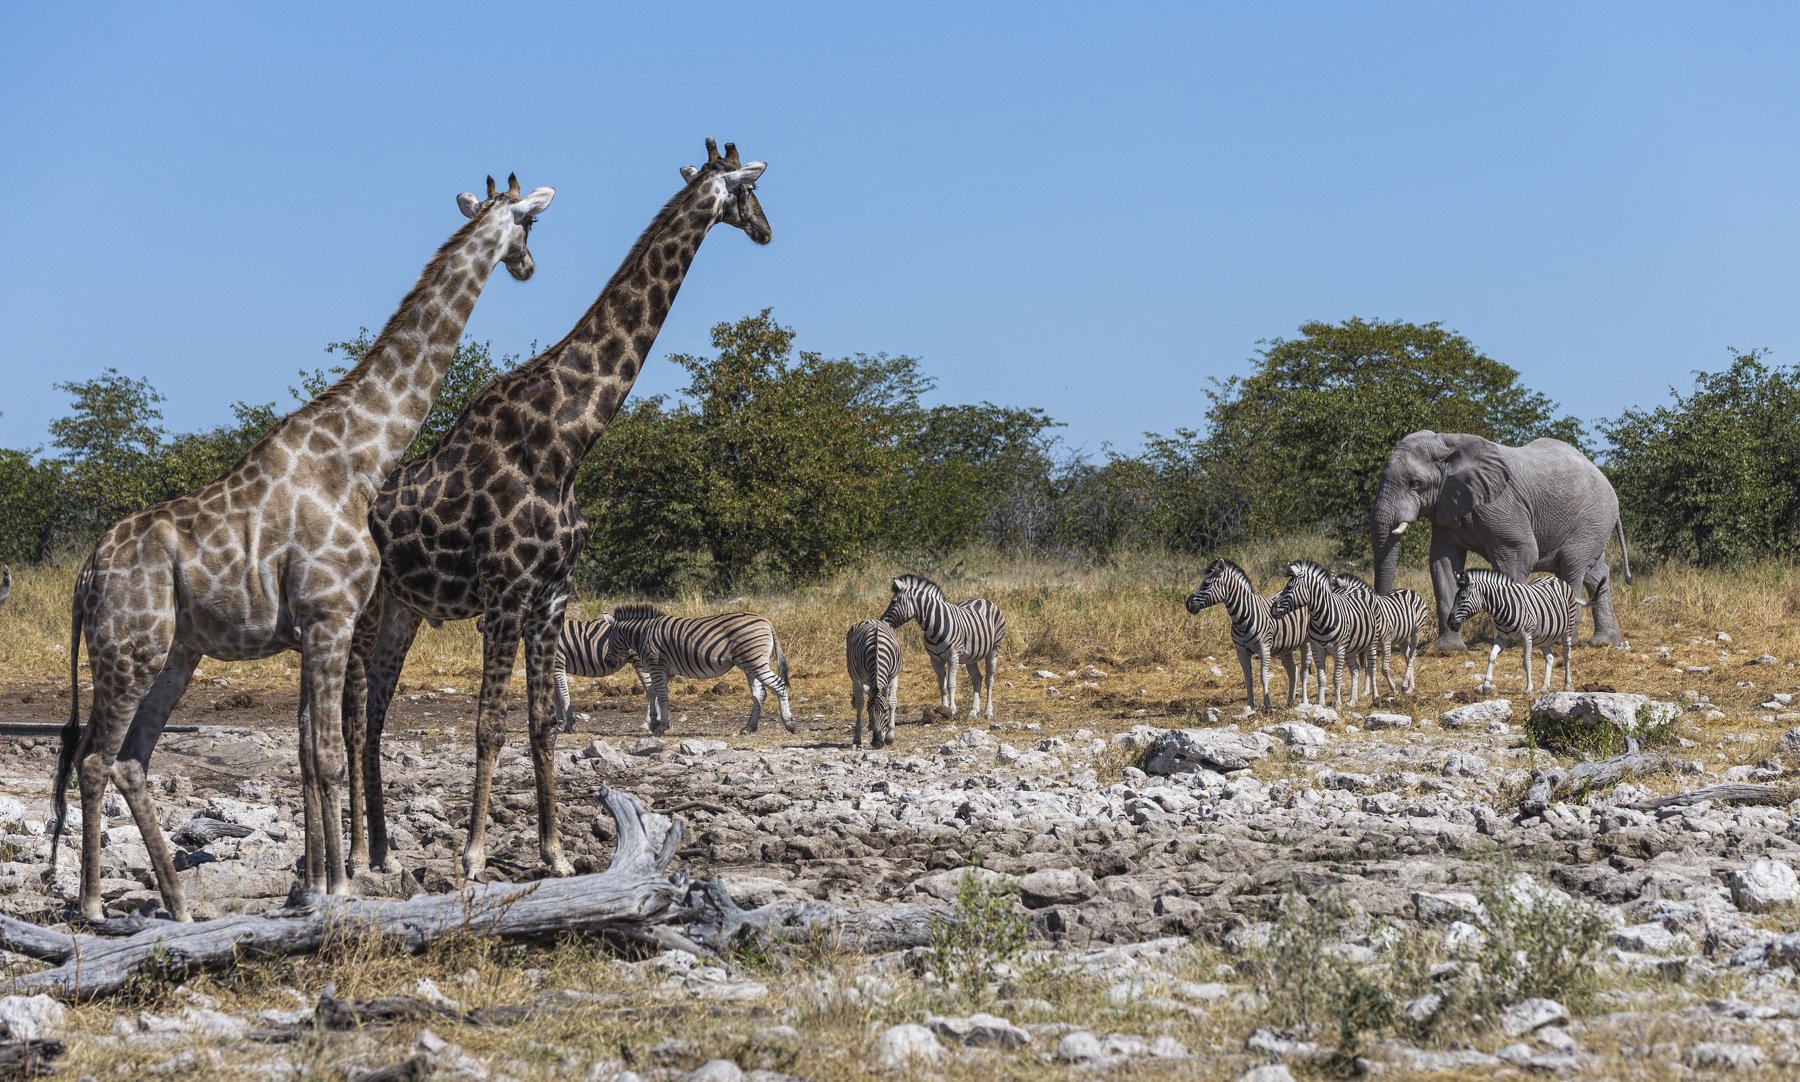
[[1400, 529]]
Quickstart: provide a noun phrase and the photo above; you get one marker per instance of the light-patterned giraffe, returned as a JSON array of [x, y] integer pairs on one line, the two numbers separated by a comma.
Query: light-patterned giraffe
[[486, 524], [276, 555]]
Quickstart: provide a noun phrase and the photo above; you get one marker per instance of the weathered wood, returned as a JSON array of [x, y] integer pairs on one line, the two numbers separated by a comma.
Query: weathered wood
[[629, 899], [634, 901], [28, 1059], [1735, 793], [1549, 785]]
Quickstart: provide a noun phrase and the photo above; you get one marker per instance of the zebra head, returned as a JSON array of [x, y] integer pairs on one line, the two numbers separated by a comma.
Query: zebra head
[[909, 592], [1468, 600], [1307, 585], [1206, 593]]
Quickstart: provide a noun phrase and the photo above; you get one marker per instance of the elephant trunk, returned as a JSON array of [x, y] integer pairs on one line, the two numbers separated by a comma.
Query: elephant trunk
[[1387, 521]]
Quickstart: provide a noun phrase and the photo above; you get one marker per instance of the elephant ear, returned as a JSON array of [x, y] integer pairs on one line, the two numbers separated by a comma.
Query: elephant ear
[[1474, 474]]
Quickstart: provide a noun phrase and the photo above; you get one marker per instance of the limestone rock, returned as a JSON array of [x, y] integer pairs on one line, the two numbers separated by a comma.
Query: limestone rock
[[1477, 715], [1582, 720], [1521, 1018], [24, 1018], [1056, 886], [980, 1030], [1181, 751], [1764, 885], [902, 1047]]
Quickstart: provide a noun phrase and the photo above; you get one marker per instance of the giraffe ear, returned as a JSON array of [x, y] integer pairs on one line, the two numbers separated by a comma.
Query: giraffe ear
[[689, 172], [533, 204], [746, 175], [468, 204]]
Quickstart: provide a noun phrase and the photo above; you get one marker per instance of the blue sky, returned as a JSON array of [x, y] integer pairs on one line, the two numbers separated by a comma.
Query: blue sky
[[1088, 208]]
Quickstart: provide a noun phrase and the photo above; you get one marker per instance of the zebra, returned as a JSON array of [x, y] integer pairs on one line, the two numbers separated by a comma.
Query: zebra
[[1400, 617], [960, 634], [1343, 624], [872, 654], [1253, 629], [1542, 610], [701, 647], [586, 648]]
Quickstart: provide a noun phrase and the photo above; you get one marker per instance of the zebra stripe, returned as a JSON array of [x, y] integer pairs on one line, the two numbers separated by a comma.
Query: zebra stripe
[[1254, 630], [1542, 610], [1400, 617], [701, 648], [1343, 624], [961, 634], [585, 648], [872, 654]]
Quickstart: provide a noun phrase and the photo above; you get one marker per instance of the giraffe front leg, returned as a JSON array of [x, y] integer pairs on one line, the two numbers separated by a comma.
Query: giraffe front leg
[[397, 627], [540, 657], [324, 655], [499, 648]]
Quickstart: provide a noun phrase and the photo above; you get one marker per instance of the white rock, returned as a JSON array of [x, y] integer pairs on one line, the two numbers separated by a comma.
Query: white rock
[[1056, 886], [1647, 938], [718, 1070], [1386, 721], [1316, 713], [980, 1030], [1632, 715], [1080, 1047], [1717, 1055], [1268, 1072], [1181, 751], [699, 746], [1764, 885], [1477, 715], [1521, 1018], [1445, 908], [26, 1018], [901, 1047]]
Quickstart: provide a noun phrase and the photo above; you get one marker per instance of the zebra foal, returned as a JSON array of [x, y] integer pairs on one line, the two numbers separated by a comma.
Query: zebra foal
[[960, 634], [701, 648], [1340, 624], [1254, 630], [1543, 610], [872, 654], [1400, 617]]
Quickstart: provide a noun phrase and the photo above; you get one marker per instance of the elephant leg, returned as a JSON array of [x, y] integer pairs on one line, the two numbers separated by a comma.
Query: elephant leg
[[1447, 559], [1598, 582]]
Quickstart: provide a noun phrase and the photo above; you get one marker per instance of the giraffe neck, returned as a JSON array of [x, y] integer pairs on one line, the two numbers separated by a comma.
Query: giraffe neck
[[373, 412], [597, 362]]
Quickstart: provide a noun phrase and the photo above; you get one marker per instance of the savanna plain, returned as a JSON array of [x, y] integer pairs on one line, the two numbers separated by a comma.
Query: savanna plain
[[1324, 893]]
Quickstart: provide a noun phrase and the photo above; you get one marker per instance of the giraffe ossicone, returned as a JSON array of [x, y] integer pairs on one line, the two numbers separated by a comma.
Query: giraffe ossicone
[[274, 556]]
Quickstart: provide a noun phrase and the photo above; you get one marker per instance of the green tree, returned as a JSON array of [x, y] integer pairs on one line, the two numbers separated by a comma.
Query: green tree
[[1714, 477], [968, 473], [29, 499], [1299, 443], [112, 449]]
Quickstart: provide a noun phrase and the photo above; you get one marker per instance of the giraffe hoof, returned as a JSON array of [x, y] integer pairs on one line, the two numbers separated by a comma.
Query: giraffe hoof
[[560, 867]]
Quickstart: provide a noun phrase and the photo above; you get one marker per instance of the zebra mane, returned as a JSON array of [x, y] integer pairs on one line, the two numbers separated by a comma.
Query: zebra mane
[[910, 582], [1222, 566], [637, 611], [1308, 567], [1486, 578], [1355, 582]]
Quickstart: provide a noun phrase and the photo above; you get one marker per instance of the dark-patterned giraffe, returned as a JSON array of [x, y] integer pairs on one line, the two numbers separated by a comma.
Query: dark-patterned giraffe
[[486, 524], [274, 556]]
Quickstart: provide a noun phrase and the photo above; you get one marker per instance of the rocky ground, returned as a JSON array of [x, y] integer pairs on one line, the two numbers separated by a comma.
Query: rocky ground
[[1162, 874]]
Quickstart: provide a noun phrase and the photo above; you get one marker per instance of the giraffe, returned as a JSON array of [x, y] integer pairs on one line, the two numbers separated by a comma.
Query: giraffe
[[485, 525], [273, 556]]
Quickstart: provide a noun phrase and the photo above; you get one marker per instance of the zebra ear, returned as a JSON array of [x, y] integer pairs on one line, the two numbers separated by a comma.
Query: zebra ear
[[897, 586]]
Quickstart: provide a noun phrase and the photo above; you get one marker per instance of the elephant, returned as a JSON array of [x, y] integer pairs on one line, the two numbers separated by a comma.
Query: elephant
[[1540, 507]]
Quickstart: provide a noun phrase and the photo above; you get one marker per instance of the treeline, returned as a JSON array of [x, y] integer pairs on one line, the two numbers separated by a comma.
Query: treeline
[[776, 465]]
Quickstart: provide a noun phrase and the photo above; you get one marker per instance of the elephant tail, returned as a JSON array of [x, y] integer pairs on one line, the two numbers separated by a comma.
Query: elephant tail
[[1624, 556]]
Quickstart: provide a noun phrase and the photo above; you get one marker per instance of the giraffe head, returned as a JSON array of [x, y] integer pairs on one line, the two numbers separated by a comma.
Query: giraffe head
[[518, 212], [732, 184]]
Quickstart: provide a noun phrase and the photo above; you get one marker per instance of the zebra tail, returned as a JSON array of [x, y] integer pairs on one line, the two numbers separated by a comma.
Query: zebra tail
[[71, 733]]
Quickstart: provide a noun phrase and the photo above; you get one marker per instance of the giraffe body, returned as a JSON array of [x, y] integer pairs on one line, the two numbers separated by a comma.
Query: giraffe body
[[485, 525], [274, 556]]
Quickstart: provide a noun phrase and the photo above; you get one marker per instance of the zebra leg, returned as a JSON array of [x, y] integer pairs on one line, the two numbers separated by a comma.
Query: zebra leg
[[891, 703], [1337, 678], [857, 692], [1412, 650], [767, 678], [1549, 646], [1287, 666], [564, 714], [937, 666], [1263, 658], [1243, 654], [1487, 682], [992, 659], [1528, 680], [1568, 648], [973, 665], [950, 667], [757, 692]]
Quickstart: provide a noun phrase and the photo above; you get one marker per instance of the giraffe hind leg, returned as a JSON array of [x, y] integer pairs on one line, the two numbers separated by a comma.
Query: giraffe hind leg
[[130, 772]]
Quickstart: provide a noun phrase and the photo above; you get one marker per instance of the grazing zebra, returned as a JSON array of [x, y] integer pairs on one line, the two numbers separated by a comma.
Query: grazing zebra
[[872, 654], [701, 647], [1343, 624], [1400, 617], [1542, 610], [960, 634], [1253, 629], [586, 648]]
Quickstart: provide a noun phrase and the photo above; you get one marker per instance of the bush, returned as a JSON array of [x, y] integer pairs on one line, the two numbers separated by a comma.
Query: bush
[[982, 934]]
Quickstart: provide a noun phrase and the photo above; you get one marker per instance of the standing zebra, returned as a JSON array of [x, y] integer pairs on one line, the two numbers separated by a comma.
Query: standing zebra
[[1343, 624], [872, 654], [1253, 628], [701, 647], [586, 648], [1400, 617], [960, 634], [1543, 610]]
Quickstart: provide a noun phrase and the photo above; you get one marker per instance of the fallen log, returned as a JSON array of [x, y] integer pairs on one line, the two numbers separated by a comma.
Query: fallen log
[[635, 900], [1734, 793], [1582, 778]]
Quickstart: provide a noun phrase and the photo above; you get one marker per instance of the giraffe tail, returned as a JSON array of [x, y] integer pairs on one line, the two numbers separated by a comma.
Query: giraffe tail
[[71, 733]]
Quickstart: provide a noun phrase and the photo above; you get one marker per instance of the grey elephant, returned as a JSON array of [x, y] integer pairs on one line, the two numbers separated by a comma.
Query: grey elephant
[[1540, 507]]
